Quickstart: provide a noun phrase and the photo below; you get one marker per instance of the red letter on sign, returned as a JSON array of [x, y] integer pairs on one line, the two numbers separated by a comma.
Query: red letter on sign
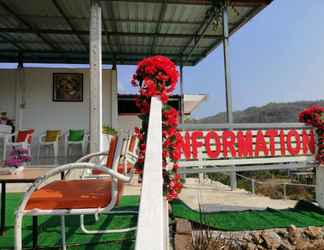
[[308, 142], [282, 143], [291, 149], [228, 143], [260, 144], [212, 153], [272, 134], [244, 144], [185, 145], [195, 144]]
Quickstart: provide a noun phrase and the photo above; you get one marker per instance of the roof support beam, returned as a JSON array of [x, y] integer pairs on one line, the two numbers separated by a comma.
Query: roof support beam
[[86, 32], [215, 44], [74, 60], [158, 26], [199, 35], [27, 24], [67, 20], [109, 42], [84, 54], [122, 45], [11, 41], [199, 2], [111, 14]]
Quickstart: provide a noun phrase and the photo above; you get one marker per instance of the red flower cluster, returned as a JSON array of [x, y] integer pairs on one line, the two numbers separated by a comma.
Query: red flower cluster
[[314, 116], [157, 76]]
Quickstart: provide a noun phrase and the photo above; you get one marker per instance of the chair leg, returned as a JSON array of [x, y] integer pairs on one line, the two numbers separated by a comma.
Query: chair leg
[[18, 233], [55, 149], [4, 150], [38, 152], [63, 232], [84, 148], [123, 230]]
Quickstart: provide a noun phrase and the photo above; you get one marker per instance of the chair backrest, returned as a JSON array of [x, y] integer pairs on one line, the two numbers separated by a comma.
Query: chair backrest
[[5, 129], [25, 134], [52, 135], [75, 135], [110, 156], [128, 154]]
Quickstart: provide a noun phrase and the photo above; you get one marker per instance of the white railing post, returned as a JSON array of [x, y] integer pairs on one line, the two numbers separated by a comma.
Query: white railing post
[[152, 228], [253, 185], [285, 191]]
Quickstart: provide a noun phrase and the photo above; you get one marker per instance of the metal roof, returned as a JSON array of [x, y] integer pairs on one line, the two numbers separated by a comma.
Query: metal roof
[[57, 31]]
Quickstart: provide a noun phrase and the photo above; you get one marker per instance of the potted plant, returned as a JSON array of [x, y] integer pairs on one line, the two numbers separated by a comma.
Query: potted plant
[[18, 157], [108, 130]]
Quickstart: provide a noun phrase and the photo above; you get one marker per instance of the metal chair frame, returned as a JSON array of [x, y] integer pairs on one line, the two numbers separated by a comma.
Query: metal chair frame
[[41, 181]]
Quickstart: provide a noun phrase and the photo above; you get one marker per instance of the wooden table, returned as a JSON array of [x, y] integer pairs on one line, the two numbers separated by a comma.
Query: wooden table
[[28, 175]]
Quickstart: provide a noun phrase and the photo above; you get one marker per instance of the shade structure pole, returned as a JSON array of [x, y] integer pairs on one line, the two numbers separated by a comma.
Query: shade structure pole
[[95, 77], [20, 94], [228, 83], [182, 95]]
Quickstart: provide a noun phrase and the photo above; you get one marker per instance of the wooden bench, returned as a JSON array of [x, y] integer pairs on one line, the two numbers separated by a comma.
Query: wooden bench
[[208, 148]]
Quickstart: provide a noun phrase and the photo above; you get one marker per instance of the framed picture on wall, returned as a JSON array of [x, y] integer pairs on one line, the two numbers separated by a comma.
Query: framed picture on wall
[[67, 87]]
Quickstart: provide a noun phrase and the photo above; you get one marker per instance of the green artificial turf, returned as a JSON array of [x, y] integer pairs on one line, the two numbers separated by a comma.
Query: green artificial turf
[[302, 215], [49, 228]]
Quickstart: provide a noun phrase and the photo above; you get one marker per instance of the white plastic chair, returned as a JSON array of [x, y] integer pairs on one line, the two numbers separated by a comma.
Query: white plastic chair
[[53, 144], [40, 185], [5, 132], [83, 143], [24, 144]]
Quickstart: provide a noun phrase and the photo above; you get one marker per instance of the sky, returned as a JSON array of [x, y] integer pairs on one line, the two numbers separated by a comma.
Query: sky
[[277, 57]]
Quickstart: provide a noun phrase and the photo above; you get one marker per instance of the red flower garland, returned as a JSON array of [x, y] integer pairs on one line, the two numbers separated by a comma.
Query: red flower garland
[[157, 76], [314, 116]]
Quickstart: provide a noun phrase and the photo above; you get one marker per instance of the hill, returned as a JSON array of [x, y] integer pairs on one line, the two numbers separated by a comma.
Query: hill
[[272, 112]]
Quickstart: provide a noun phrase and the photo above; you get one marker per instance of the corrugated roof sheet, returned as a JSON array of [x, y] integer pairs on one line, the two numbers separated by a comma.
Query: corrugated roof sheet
[[45, 31]]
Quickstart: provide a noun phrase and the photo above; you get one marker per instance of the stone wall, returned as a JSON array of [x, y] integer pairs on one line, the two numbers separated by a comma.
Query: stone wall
[[291, 238]]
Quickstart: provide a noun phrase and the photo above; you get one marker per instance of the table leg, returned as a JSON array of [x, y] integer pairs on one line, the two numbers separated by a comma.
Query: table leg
[[35, 232], [3, 207]]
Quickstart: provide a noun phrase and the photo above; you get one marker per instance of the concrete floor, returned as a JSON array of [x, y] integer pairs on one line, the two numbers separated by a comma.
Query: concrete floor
[[218, 197]]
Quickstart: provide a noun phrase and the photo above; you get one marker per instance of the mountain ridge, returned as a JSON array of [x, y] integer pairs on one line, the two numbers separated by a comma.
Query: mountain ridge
[[269, 113]]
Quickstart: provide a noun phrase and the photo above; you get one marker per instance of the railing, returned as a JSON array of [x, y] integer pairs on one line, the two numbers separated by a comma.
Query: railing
[[284, 184], [152, 226]]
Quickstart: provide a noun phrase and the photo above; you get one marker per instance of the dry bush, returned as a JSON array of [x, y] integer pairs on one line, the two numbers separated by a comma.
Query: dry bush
[[269, 190]]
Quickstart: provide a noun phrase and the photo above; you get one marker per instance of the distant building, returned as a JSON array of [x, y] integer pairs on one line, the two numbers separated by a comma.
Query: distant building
[[128, 112]]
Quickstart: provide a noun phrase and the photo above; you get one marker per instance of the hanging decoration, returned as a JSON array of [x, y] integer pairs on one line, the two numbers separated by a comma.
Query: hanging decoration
[[157, 76], [314, 116]]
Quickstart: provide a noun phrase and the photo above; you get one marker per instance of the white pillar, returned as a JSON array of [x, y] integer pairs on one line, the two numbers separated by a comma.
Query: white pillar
[[320, 185], [228, 83], [95, 78], [20, 97], [114, 99]]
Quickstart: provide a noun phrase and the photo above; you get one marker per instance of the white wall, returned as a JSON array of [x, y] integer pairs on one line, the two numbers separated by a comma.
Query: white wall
[[40, 112], [129, 122], [7, 91]]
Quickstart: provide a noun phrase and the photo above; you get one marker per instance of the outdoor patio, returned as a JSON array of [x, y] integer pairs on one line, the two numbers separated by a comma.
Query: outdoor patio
[[103, 32]]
